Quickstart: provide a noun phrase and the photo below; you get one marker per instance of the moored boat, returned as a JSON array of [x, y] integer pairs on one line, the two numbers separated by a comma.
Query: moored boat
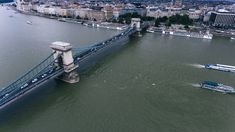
[[208, 36], [150, 30]]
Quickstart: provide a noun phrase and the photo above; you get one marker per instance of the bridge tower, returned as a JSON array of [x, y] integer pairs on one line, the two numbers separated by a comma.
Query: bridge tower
[[135, 23], [63, 54]]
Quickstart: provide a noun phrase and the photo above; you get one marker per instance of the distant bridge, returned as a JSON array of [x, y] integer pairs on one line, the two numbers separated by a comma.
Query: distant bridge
[[63, 63]]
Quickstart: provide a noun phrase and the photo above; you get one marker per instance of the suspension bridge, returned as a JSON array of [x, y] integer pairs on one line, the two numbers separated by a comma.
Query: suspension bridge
[[63, 63]]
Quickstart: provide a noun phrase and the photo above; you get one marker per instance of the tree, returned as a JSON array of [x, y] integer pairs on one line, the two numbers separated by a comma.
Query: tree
[[157, 23], [168, 24], [78, 17], [178, 19], [114, 21], [147, 18], [126, 18], [186, 27]]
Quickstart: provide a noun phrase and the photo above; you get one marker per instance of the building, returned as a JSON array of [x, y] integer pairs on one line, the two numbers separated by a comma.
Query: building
[[194, 14], [156, 12], [71, 13], [117, 10], [108, 11], [177, 3], [139, 11], [223, 19], [90, 14], [62, 12], [206, 17], [82, 12], [96, 15], [23, 5]]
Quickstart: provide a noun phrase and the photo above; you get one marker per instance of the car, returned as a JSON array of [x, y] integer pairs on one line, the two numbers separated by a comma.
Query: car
[[50, 71], [34, 80], [6, 95], [44, 75], [25, 85]]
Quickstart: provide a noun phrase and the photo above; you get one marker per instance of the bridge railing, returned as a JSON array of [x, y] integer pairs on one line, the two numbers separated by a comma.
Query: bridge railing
[[84, 51], [45, 65]]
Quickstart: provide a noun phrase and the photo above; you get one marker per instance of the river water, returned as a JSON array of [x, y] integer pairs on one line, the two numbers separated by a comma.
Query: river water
[[147, 86]]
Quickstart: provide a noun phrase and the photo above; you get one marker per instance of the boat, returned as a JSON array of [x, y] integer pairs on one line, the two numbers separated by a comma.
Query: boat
[[61, 19], [208, 36], [232, 38], [220, 67], [29, 22], [217, 87], [85, 24], [150, 30]]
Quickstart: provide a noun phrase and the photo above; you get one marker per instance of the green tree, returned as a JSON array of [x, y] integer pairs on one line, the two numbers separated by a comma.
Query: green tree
[[168, 24], [157, 23], [78, 17], [186, 27], [114, 21]]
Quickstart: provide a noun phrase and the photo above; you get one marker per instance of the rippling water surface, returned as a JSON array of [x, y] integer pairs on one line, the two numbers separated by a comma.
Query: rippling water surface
[[147, 86]]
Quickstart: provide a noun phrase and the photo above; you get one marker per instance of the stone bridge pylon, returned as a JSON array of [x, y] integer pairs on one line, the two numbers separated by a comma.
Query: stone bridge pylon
[[63, 55]]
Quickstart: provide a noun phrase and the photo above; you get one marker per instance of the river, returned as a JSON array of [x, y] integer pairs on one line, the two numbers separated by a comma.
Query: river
[[147, 86]]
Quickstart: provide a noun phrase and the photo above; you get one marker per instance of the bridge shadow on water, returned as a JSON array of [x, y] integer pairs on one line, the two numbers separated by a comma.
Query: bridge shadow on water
[[35, 102], [48, 94]]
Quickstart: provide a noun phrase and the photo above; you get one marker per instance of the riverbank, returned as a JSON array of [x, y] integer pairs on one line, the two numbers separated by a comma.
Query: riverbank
[[181, 32], [88, 23]]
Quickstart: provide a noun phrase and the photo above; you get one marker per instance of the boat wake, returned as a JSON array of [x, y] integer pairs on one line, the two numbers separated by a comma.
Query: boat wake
[[197, 66], [196, 85]]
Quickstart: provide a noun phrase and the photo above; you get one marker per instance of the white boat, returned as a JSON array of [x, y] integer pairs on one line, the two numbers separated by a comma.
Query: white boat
[[220, 67], [61, 19], [29, 22], [232, 38], [208, 35], [119, 28], [150, 30], [227, 66]]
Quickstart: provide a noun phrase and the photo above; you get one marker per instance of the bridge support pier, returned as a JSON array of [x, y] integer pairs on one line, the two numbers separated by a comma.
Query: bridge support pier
[[135, 23], [71, 77], [63, 55]]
